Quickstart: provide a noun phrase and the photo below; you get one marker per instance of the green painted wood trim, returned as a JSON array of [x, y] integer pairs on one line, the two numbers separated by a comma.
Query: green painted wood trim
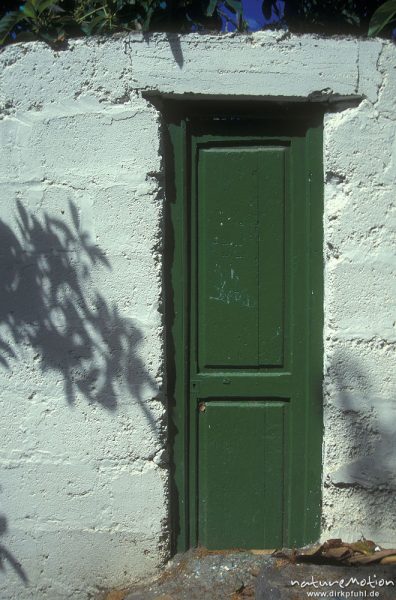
[[314, 185], [177, 347]]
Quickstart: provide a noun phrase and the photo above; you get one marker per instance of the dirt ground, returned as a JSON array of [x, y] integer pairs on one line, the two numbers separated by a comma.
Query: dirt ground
[[203, 575]]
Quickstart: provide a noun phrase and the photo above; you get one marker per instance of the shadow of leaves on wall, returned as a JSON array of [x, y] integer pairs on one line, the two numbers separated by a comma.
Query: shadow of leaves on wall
[[52, 314], [48, 303], [7, 558], [366, 453], [372, 438]]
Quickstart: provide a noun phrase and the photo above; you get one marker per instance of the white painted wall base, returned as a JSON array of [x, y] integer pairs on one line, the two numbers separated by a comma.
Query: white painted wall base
[[83, 493]]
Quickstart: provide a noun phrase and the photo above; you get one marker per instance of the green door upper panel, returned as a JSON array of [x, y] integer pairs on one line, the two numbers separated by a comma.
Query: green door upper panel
[[241, 256]]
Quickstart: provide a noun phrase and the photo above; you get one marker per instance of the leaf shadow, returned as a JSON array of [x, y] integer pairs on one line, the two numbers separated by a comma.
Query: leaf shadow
[[52, 313], [7, 557], [48, 303]]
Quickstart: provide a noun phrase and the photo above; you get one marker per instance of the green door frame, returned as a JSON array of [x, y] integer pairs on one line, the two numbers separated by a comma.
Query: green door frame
[[301, 125]]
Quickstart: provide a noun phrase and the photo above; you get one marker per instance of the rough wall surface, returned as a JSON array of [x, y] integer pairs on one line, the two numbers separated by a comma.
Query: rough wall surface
[[83, 497], [360, 327]]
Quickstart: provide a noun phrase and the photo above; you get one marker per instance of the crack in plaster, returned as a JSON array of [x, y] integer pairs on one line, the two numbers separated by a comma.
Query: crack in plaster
[[383, 75]]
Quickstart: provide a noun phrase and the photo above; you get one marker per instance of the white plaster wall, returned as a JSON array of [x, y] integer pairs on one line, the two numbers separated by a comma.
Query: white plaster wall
[[360, 316], [83, 497]]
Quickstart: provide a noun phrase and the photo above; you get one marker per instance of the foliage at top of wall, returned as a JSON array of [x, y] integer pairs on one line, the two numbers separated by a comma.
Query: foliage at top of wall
[[56, 20]]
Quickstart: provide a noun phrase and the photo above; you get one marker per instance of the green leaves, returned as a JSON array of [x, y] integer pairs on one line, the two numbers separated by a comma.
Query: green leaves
[[211, 8], [40, 19], [7, 24], [94, 25], [48, 4], [32, 9], [382, 16], [28, 10], [46, 20], [234, 5], [101, 16], [54, 20]]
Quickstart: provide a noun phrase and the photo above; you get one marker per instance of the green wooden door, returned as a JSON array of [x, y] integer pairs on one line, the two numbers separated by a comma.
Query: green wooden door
[[245, 357]]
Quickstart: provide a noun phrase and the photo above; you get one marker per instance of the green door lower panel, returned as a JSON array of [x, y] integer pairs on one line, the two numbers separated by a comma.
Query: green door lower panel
[[241, 473]]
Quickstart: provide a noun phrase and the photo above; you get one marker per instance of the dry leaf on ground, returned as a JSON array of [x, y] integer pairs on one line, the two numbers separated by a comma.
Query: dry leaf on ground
[[361, 552]]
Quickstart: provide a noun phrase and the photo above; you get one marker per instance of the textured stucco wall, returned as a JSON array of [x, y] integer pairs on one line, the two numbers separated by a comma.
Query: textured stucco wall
[[83, 496], [360, 316]]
